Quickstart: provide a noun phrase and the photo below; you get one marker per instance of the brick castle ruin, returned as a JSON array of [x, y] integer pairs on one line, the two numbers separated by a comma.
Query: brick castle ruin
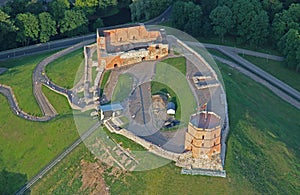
[[134, 44]]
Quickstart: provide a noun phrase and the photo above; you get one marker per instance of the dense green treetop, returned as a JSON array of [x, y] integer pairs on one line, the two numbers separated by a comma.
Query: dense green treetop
[[222, 20], [28, 28], [47, 27], [73, 23], [146, 9], [290, 46], [57, 8], [285, 20]]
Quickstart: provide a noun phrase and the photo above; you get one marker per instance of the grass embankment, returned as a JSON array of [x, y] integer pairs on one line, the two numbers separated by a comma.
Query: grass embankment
[[277, 69], [123, 88], [231, 41], [219, 54], [26, 147], [19, 77], [177, 62], [65, 178], [94, 74], [104, 80], [262, 156], [67, 70]]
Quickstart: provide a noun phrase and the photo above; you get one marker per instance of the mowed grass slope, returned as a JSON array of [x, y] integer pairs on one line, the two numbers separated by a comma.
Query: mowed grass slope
[[262, 154], [63, 71], [19, 77], [26, 147], [277, 69], [123, 88]]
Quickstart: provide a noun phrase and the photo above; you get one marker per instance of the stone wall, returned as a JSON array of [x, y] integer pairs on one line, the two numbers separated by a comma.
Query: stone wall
[[147, 145], [225, 128], [221, 173]]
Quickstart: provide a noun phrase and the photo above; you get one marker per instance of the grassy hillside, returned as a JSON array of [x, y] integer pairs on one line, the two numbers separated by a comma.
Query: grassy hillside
[[262, 157], [63, 70], [277, 69], [19, 77], [26, 147]]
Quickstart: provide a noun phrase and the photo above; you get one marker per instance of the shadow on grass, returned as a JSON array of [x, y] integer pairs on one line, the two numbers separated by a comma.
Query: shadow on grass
[[11, 182]]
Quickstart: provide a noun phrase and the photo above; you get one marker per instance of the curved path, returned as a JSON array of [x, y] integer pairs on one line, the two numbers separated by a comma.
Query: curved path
[[283, 90], [39, 78]]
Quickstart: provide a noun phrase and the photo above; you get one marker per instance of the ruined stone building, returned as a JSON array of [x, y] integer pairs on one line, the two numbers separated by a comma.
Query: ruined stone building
[[204, 134], [125, 46]]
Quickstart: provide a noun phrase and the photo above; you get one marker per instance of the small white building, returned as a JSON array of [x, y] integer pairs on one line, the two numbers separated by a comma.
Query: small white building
[[171, 108]]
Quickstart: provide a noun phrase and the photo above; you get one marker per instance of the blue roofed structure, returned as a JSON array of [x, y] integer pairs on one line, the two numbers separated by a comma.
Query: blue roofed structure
[[111, 107]]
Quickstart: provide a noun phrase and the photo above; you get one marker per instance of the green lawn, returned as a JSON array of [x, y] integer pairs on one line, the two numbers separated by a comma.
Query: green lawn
[[164, 81], [263, 153], [178, 62], [277, 69], [19, 77], [67, 70], [59, 102], [262, 156], [26, 147], [94, 73], [123, 88], [104, 80], [219, 54], [65, 178]]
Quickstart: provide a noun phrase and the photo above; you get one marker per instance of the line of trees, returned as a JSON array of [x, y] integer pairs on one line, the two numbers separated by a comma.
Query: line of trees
[[23, 22], [252, 22]]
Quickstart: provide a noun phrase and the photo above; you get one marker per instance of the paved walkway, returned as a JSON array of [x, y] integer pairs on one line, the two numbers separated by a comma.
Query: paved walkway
[[253, 76], [40, 78], [283, 90]]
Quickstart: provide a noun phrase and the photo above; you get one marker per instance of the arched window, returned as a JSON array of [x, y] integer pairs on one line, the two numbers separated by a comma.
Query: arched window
[[202, 144], [202, 136]]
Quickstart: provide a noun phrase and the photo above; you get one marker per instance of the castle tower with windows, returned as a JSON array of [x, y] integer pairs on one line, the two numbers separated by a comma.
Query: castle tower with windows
[[204, 134]]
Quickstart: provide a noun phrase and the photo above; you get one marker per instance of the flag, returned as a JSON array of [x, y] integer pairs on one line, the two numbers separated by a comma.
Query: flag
[[203, 107]]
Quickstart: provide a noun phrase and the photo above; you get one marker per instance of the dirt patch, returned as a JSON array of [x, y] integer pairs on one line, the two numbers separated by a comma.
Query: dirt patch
[[92, 178]]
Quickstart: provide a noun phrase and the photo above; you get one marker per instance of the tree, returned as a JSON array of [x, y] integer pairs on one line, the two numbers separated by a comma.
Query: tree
[[222, 20], [272, 7], [244, 14], [57, 8], [35, 7], [88, 6], [145, 9], [7, 27], [187, 16], [289, 45], [28, 28], [47, 27], [13, 8], [194, 23], [98, 24], [106, 3], [259, 28], [286, 20], [178, 10], [73, 23]]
